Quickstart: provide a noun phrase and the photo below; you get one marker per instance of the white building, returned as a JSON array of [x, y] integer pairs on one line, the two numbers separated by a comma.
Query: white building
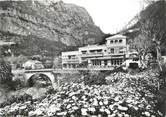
[[70, 59], [112, 53]]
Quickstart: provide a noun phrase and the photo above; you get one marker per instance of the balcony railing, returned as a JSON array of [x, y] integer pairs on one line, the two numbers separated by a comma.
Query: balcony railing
[[92, 54], [114, 53], [100, 54], [73, 60]]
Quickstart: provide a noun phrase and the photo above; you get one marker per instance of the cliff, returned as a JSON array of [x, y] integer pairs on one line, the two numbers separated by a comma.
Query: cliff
[[38, 27]]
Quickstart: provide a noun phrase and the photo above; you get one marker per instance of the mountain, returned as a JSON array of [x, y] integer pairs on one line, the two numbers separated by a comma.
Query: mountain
[[38, 28]]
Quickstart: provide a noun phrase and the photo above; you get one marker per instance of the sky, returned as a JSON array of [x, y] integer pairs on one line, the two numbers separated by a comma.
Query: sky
[[110, 15]]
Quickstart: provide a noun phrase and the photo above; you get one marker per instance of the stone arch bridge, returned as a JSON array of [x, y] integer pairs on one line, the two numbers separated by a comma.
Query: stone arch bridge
[[53, 75]]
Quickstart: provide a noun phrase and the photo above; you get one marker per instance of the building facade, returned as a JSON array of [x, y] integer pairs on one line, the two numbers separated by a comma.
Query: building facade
[[112, 53], [70, 59]]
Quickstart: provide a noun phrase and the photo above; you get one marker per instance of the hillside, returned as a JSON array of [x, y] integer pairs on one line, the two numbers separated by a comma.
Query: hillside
[[155, 14], [38, 27]]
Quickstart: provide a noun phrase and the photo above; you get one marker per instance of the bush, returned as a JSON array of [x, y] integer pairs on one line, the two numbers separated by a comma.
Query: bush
[[70, 78], [5, 73], [94, 78], [162, 76], [18, 84]]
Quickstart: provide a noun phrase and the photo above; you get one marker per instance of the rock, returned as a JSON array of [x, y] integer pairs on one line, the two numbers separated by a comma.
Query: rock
[[74, 97], [147, 114], [23, 107], [18, 116], [92, 109], [100, 103], [68, 106], [136, 108], [105, 102], [94, 116], [52, 109], [31, 114], [95, 103], [122, 108], [38, 112], [126, 115], [107, 111], [101, 109], [120, 115], [75, 108], [61, 113], [84, 111], [112, 115], [117, 98], [111, 107]]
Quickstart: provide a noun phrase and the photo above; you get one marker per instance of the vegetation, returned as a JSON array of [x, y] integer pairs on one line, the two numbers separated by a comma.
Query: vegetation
[[5, 73], [93, 78], [149, 32]]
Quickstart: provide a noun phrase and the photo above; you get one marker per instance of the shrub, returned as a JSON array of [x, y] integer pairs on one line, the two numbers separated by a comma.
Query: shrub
[[18, 84], [70, 78], [94, 78], [5, 73], [162, 76]]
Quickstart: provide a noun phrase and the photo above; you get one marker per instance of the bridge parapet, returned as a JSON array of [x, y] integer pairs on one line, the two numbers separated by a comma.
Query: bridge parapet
[[70, 70]]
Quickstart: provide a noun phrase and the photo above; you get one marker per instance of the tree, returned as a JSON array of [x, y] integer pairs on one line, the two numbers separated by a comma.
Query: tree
[[142, 45], [152, 25], [5, 73], [57, 62]]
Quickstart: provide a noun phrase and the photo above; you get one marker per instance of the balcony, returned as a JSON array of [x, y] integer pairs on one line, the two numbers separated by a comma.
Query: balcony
[[72, 60], [113, 54], [95, 54]]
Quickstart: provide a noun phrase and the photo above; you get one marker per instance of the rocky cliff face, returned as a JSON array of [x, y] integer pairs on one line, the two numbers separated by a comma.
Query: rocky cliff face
[[39, 27]]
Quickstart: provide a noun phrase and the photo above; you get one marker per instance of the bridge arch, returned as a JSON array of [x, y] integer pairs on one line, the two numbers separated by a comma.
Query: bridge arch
[[36, 77], [47, 76]]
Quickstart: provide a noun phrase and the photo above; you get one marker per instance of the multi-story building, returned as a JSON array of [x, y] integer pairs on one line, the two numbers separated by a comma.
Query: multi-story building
[[70, 59], [110, 54]]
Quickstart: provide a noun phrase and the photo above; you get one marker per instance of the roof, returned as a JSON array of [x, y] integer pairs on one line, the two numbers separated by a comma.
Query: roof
[[70, 53], [92, 46], [116, 36], [6, 43], [31, 63]]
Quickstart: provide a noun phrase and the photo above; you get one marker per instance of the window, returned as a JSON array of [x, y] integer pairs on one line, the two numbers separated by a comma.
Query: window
[[111, 41], [135, 59], [120, 41], [93, 51], [99, 51], [73, 56], [112, 50], [84, 52], [116, 41], [121, 50], [69, 57]]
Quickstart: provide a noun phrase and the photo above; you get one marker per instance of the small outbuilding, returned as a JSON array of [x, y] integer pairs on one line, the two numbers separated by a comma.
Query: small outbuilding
[[33, 64]]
